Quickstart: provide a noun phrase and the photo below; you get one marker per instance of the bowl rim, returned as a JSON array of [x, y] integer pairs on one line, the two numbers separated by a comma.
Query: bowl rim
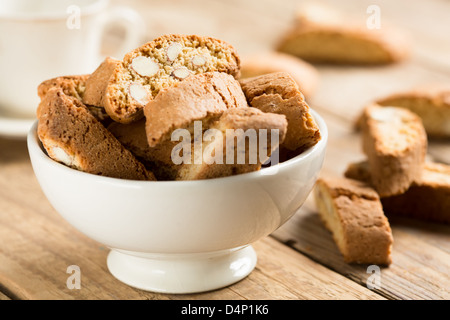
[[35, 148]]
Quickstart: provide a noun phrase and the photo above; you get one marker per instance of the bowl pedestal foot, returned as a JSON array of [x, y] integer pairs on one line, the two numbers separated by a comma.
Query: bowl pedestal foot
[[182, 273]]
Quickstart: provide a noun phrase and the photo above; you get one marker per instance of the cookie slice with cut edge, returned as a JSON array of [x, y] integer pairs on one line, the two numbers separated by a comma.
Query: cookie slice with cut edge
[[232, 144], [195, 98], [71, 135], [352, 212], [431, 104], [203, 164], [395, 143], [123, 88], [325, 36], [427, 198], [279, 93], [73, 86], [305, 75]]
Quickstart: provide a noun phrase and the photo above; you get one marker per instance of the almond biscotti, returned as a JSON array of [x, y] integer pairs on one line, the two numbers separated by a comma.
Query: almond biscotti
[[123, 88], [428, 198], [157, 159], [352, 211], [241, 123], [279, 93], [431, 104], [232, 144], [73, 86], [304, 74], [71, 135], [395, 143], [341, 41], [195, 98]]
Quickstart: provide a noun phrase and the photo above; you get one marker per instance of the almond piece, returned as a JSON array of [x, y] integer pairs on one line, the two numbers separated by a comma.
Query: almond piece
[[198, 61], [181, 73], [173, 50], [144, 66], [138, 93]]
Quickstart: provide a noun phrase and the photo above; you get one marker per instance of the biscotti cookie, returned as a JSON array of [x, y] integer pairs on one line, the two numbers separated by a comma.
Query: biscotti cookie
[[123, 88], [157, 159], [304, 74], [352, 212], [201, 95], [395, 143], [73, 86], [426, 199], [431, 104], [323, 40], [278, 93], [71, 135], [237, 135]]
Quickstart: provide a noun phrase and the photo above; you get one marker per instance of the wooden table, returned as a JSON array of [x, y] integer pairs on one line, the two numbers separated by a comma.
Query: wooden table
[[298, 261]]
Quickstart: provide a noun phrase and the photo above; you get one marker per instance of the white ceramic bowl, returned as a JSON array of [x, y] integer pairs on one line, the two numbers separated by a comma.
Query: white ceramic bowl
[[179, 236]]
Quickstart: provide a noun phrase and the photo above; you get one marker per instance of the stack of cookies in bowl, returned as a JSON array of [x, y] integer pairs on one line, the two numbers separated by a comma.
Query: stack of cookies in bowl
[[141, 118]]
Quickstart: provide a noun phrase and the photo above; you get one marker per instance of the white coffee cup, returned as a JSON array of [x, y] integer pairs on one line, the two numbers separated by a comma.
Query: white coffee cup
[[42, 39]]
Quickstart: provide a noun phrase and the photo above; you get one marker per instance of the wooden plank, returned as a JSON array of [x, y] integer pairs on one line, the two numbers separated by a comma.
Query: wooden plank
[[37, 246], [421, 257]]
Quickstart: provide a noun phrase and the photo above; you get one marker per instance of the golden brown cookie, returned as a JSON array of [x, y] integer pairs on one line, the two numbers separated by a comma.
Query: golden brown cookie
[[195, 98], [395, 143], [304, 74], [123, 88], [73, 86], [426, 199], [279, 93], [431, 104], [71, 135], [352, 212], [340, 40], [237, 135]]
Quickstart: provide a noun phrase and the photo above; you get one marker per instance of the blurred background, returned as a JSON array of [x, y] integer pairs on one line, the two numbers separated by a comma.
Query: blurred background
[[252, 25]]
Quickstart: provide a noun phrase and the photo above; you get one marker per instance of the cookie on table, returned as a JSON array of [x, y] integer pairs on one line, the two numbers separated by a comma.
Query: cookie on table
[[352, 212], [73, 86], [279, 93], [326, 37], [395, 143], [431, 104], [71, 135], [427, 199], [304, 74], [123, 88], [195, 98]]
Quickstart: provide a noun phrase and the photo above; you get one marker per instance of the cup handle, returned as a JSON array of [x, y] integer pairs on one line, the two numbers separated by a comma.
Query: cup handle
[[133, 25]]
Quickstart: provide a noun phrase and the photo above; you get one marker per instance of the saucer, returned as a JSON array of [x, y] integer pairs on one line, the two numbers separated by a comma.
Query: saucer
[[14, 127]]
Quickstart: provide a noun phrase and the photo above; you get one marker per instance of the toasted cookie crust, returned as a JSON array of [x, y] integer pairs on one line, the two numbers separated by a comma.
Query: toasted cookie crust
[[279, 93], [395, 143], [71, 135], [352, 211], [123, 88]]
